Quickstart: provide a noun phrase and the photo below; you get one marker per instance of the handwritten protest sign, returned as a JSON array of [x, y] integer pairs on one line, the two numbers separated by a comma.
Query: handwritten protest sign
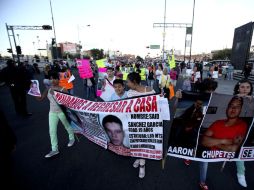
[[84, 68], [101, 63]]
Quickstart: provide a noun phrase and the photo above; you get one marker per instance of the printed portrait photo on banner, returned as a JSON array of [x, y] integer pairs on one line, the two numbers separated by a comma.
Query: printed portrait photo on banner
[[114, 129], [223, 129], [118, 140], [186, 124], [75, 119], [34, 90]]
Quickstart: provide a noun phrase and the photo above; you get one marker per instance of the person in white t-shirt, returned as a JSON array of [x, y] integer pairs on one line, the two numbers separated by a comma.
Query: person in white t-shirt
[[158, 74], [133, 82], [110, 77]]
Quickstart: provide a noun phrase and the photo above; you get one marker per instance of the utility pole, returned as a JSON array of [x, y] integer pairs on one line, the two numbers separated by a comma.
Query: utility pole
[[15, 44], [192, 27], [9, 40], [164, 32], [19, 27], [53, 28], [18, 39]]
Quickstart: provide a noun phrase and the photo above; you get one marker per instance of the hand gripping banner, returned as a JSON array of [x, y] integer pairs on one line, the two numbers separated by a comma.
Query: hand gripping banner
[[130, 127]]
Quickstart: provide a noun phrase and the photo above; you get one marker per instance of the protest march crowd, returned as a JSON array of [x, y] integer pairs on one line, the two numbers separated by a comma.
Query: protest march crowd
[[122, 110]]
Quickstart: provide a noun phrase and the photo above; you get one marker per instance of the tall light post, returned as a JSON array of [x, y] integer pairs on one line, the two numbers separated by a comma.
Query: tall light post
[[79, 41], [38, 40], [88, 25], [34, 47], [18, 39], [192, 27], [164, 32], [52, 16]]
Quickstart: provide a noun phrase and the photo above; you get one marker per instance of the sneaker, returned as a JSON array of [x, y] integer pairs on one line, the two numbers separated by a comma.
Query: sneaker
[[187, 162], [142, 172], [71, 142], [203, 186], [136, 163], [241, 180], [52, 153]]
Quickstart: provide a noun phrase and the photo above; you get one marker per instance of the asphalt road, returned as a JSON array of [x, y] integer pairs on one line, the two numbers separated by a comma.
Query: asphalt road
[[87, 166]]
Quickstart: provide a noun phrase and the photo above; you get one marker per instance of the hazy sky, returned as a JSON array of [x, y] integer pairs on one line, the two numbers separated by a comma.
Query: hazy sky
[[125, 25]]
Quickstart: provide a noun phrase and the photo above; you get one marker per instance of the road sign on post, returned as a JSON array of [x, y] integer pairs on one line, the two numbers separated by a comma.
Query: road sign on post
[[154, 46]]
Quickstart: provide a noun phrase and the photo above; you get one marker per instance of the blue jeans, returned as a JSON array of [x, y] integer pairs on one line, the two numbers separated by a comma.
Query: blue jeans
[[90, 92], [240, 167], [71, 91], [203, 171], [150, 83]]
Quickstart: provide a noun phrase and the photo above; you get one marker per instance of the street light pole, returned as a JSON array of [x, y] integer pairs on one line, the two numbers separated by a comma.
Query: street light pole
[[39, 45], [15, 44], [18, 39], [78, 27], [79, 41], [53, 28], [34, 48], [9, 40], [164, 32], [192, 27]]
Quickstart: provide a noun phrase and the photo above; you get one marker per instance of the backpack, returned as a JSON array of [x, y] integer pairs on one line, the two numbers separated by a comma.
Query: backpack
[[150, 75]]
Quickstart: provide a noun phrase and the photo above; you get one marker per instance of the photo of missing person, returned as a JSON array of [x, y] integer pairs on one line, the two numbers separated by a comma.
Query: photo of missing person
[[116, 132], [34, 90], [188, 118], [224, 129], [75, 120], [113, 127]]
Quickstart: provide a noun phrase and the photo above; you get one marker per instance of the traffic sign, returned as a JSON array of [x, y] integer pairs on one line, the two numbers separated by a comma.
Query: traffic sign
[[154, 46]]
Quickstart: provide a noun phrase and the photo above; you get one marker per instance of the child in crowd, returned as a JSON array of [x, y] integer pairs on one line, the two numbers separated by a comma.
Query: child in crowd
[[119, 93]]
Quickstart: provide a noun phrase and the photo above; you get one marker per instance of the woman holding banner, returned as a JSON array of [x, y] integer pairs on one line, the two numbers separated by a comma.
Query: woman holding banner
[[55, 113], [207, 87], [133, 83], [244, 89]]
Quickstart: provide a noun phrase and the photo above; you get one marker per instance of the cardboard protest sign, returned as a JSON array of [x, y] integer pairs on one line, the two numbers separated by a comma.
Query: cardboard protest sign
[[101, 63], [34, 90], [84, 68], [131, 127], [220, 131]]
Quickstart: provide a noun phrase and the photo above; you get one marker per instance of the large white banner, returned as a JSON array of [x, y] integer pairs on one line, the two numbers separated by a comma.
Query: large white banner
[[130, 127]]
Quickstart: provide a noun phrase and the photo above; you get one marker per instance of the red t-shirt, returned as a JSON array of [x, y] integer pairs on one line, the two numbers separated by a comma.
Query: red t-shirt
[[220, 131]]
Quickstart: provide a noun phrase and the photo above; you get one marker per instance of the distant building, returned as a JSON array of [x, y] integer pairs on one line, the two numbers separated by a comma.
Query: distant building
[[68, 47]]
